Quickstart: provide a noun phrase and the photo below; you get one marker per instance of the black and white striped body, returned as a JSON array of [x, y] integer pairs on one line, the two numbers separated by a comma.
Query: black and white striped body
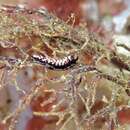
[[56, 63]]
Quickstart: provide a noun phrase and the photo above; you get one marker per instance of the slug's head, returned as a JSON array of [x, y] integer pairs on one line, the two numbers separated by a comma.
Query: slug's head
[[74, 57]]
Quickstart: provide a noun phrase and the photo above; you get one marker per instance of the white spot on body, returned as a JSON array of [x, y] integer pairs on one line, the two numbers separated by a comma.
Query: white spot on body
[[60, 62], [53, 61], [65, 60], [36, 56], [69, 57]]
